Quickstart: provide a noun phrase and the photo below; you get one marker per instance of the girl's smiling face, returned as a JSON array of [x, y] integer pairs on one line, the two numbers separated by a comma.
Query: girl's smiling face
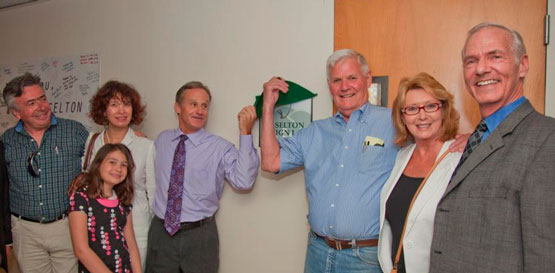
[[113, 169]]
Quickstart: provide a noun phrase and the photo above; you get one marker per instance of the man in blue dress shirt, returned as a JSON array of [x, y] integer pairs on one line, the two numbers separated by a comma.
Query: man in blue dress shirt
[[347, 159], [183, 236]]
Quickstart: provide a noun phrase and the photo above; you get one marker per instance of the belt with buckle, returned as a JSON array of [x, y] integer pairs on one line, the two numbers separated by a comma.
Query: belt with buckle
[[60, 217], [192, 225], [346, 244]]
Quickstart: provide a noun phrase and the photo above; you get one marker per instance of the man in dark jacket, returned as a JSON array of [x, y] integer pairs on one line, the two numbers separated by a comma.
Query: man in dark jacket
[[5, 225]]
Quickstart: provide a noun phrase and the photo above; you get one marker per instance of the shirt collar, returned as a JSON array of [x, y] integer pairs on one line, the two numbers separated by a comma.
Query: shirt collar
[[496, 118], [129, 136], [20, 125], [195, 137], [358, 114]]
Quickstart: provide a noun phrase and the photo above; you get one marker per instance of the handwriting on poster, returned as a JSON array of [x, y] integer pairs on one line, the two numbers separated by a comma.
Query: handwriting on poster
[[68, 82]]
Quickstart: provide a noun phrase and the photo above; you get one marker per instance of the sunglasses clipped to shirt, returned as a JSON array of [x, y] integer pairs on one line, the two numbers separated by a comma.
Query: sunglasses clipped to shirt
[[33, 164]]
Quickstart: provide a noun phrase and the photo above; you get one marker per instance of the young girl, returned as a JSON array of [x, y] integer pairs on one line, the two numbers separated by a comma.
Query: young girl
[[100, 219]]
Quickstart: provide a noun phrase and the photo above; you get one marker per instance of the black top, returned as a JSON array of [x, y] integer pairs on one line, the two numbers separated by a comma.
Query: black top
[[396, 210], [105, 226]]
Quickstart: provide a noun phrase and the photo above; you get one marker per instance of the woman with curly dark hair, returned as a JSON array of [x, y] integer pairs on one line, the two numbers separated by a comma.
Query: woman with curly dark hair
[[117, 106]]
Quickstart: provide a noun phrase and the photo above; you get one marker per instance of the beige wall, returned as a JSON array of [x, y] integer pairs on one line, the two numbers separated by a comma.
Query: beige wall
[[233, 46]]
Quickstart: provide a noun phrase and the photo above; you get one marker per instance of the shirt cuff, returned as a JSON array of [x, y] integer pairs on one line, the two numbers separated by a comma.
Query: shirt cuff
[[245, 142]]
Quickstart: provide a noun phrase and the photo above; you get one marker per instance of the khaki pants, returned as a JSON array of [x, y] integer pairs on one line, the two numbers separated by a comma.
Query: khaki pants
[[43, 247]]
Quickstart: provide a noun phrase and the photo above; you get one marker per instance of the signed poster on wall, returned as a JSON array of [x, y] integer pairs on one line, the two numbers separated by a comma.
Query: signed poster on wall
[[68, 82]]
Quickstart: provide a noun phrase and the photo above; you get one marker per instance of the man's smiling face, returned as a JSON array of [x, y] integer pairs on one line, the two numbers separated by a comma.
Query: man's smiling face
[[348, 86], [33, 109], [492, 73], [192, 110]]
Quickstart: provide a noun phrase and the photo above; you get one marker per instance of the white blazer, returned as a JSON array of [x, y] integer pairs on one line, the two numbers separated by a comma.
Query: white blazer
[[420, 224]]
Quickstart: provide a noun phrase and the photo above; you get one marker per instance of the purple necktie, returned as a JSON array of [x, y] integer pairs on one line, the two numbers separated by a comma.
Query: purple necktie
[[175, 191]]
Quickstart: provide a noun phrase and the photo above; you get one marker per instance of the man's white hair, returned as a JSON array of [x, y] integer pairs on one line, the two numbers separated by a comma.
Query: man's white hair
[[346, 53], [517, 45]]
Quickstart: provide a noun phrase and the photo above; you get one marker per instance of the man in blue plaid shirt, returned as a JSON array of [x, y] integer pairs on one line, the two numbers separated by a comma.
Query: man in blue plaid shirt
[[43, 154]]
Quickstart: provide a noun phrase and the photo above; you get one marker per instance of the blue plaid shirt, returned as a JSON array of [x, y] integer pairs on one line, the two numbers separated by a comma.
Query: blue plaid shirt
[[59, 160], [346, 166]]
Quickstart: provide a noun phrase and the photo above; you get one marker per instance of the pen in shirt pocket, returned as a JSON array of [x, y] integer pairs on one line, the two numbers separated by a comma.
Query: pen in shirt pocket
[[372, 141]]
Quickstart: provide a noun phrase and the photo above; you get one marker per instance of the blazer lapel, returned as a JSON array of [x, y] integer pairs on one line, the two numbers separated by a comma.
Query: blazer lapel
[[480, 153], [492, 143]]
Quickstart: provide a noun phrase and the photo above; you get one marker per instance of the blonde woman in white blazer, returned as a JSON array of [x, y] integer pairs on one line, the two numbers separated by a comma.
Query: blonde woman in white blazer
[[117, 105], [426, 122]]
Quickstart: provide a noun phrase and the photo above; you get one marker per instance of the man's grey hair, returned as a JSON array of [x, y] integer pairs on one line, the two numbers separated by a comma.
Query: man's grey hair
[[15, 87], [517, 45], [346, 53]]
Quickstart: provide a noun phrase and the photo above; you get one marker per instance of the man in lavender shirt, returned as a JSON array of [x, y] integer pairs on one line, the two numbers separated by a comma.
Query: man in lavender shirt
[[208, 160]]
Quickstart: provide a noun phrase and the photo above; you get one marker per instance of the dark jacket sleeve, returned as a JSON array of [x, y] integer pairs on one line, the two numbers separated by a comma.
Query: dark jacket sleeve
[[5, 208]]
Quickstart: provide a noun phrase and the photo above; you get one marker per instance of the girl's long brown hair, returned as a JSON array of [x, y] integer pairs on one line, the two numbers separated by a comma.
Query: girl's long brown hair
[[91, 182]]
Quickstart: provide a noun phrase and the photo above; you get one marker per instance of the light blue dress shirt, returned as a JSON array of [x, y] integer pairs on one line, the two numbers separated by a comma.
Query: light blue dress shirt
[[496, 118], [344, 177], [208, 160]]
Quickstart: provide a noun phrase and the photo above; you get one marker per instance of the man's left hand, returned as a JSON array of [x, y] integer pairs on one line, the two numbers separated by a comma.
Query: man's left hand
[[140, 134], [246, 118]]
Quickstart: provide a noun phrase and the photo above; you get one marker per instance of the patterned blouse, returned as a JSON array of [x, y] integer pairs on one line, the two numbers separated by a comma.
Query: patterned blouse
[[106, 219]]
